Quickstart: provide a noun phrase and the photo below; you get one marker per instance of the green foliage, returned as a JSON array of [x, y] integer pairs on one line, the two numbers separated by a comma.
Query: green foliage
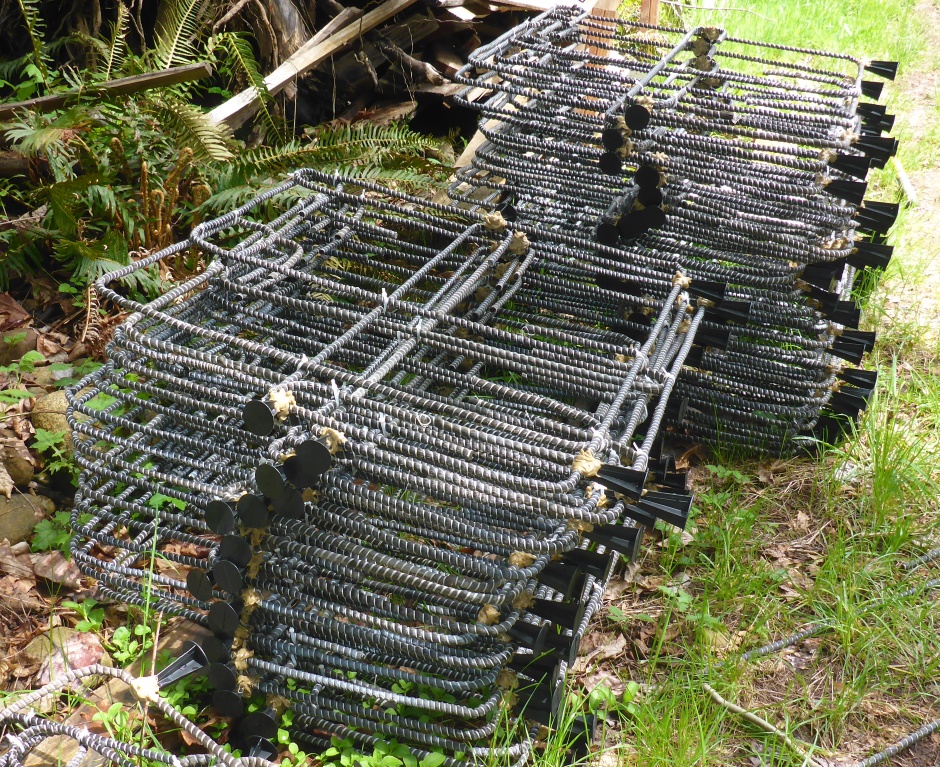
[[136, 172], [344, 752], [127, 646], [53, 533], [92, 616], [52, 446]]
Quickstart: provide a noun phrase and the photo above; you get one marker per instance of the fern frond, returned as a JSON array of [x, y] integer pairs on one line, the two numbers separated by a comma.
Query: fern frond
[[116, 51], [240, 56], [179, 25], [36, 29], [266, 160], [369, 141], [190, 127]]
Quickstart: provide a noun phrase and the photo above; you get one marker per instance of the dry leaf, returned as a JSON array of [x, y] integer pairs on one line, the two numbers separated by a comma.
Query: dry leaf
[[55, 568], [6, 482], [15, 561], [801, 522]]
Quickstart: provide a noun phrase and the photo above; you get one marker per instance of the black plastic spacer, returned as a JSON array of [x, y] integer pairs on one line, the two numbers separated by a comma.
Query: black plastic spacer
[[850, 191], [271, 480], [220, 517], [222, 619], [311, 458], [252, 510], [636, 117], [222, 676], [864, 379], [199, 583], [259, 417], [217, 649], [228, 703], [236, 549], [610, 163], [872, 255]]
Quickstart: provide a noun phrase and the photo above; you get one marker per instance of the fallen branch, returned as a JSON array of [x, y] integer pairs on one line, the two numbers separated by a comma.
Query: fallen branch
[[798, 748], [909, 191], [120, 87]]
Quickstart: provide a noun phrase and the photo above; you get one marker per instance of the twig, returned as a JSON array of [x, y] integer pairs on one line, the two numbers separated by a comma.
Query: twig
[[230, 14], [909, 191], [754, 719]]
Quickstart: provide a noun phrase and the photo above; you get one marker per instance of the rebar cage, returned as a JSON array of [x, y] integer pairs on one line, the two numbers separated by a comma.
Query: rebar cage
[[389, 451]]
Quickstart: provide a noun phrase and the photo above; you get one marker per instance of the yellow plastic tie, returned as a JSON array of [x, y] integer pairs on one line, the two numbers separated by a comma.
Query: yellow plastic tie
[[519, 243], [283, 402], [587, 464], [334, 439], [494, 221]]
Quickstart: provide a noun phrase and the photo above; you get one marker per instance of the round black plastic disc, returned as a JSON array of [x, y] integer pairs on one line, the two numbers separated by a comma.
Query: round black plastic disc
[[220, 517], [228, 703], [222, 619], [235, 549], [253, 510], [612, 139], [222, 676], [654, 218], [258, 724], [199, 585], [311, 458], [610, 164], [258, 417], [650, 196], [270, 480], [290, 505], [629, 227], [636, 117], [607, 233], [647, 177], [217, 650], [228, 576]]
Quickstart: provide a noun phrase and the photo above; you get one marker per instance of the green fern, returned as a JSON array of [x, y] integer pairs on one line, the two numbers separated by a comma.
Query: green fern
[[179, 25], [240, 56], [36, 29], [116, 52], [191, 127]]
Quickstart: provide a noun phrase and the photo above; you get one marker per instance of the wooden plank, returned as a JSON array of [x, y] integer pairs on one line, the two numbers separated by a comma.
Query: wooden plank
[[649, 12], [119, 87], [240, 107]]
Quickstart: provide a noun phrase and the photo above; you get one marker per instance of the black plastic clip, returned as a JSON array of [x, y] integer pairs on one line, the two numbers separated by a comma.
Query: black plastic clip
[[193, 660], [620, 538], [885, 69], [850, 191], [872, 89], [672, 508], [851, 165], [621, 479], [872, 255]]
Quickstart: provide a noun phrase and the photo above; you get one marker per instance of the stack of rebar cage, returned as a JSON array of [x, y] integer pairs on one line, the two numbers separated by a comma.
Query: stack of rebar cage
[[388, 451], [741, 161]]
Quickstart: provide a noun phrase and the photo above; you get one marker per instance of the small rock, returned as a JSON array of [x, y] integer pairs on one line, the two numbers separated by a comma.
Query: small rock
[[62, 649], [20, 514], [49, 414]]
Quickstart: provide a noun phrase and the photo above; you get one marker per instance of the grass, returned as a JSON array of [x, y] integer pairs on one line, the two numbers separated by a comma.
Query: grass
[[779, 546]]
